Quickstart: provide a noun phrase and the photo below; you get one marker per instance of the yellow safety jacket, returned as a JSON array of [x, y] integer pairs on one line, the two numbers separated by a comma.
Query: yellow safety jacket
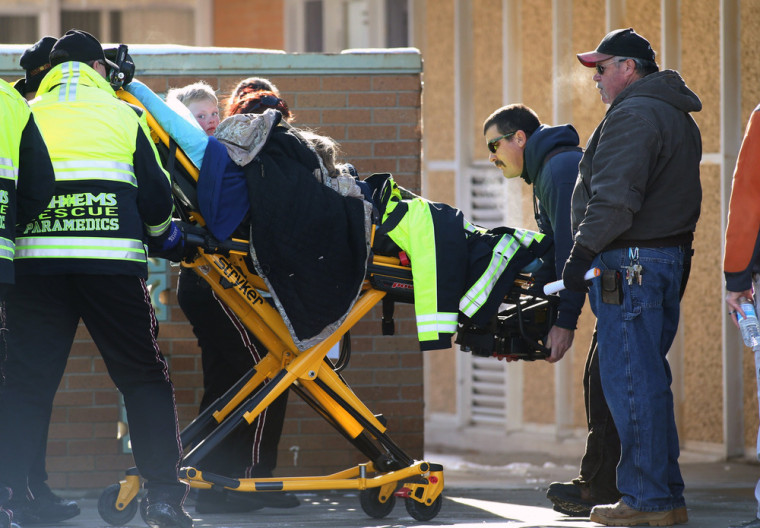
[[111, 192], [14, 115], [460, 271]]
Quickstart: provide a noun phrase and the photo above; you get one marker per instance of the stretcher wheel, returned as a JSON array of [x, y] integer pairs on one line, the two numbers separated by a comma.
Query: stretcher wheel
[[370, 501], [143, 508], [423, 512], [107, 507]]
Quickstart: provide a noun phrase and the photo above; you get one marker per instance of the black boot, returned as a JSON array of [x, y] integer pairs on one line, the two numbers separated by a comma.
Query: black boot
[[576, 499], [5, 519], [48, 507], [164, 511]]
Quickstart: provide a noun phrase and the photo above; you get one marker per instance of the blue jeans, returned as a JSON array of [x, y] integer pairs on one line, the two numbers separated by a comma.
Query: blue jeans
[[634, 338]]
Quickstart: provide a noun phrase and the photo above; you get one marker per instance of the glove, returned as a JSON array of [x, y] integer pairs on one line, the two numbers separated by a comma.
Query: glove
[[170, 245], [578, 263]]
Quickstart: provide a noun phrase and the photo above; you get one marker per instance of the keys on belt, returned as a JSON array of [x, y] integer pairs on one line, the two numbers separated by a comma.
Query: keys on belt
[[634, 270]]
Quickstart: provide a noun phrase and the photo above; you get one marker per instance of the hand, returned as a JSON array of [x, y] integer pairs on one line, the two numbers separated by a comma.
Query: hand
[[169, 246], [732, 300], [559, 341], [578, 263]]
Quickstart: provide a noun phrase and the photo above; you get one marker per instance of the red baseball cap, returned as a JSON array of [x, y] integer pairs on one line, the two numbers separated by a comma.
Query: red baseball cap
[[619, 43]]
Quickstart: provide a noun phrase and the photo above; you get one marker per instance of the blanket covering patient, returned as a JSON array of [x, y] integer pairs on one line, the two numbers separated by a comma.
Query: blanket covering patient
[[309, 234]]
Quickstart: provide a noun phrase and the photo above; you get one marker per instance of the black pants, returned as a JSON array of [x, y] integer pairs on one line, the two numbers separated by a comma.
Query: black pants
[[228, 351], [37, 476], [43, 313], [599, 462]]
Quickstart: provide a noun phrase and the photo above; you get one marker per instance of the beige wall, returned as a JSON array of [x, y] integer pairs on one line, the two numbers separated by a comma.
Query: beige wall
[[699, 24]]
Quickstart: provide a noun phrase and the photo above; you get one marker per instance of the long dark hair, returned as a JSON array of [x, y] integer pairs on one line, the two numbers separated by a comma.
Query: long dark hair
[[257, 102]]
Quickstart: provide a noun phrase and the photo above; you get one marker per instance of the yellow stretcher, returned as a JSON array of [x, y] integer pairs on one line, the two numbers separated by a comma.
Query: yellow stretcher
[[389, 472]]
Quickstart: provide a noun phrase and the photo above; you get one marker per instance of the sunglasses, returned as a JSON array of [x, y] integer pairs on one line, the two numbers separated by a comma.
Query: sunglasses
[[600, 68], [493, 142], [268, 101]]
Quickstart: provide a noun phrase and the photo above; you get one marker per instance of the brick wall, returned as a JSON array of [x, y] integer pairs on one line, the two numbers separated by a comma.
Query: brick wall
[[373, 111]]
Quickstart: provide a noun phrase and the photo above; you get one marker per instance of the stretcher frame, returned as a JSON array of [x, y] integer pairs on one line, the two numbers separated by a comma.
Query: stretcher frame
[[389, 472]]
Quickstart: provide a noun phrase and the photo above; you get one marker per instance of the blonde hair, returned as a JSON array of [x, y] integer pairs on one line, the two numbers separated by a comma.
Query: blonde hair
[[326, 148], [198, 91]]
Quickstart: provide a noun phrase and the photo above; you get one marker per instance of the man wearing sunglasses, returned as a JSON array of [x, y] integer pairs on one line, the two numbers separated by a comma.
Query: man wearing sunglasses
[[634, 210], [546, 157]]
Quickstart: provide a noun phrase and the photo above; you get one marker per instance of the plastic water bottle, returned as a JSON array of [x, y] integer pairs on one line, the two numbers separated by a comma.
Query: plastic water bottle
[[749, 326]]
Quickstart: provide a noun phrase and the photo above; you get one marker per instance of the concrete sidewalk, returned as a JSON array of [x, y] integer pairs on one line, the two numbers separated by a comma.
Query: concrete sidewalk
[[487, 490]]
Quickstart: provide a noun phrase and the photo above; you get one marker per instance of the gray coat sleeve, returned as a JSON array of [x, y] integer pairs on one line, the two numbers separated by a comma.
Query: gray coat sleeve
[[626, 154]]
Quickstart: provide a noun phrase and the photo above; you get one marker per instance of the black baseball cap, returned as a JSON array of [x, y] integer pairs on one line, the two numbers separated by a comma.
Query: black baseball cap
[[618, 43], [36, 62], [78, 45]]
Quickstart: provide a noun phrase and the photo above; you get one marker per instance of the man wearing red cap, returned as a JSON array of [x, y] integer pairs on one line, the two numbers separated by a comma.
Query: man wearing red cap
[[642, 158]]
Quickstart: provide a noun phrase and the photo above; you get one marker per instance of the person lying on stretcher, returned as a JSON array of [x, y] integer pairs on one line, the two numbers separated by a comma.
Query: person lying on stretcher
[[262, 173]]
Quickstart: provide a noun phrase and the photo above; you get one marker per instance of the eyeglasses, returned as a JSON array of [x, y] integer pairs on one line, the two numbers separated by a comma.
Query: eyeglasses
[[600, 68], [269, 101], [493, 142]]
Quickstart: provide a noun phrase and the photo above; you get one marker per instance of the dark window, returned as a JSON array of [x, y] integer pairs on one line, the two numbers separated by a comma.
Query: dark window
[[114, 20], [313, 24], [18, 29], [397, 17], [88, 21]]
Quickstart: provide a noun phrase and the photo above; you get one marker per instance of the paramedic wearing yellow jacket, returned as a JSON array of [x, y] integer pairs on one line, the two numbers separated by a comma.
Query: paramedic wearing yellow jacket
[[26, 176], [26, 185], [84, 257]]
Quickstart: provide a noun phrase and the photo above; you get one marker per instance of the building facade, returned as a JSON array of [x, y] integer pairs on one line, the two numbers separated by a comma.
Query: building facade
[[477, 56]]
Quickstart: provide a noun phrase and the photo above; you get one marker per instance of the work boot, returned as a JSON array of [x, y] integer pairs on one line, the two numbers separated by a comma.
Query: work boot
[[6, 516], [682, 516], [164, 508], [164, 515], [5, 519], [48, 507], [620, 514], [575, 499], [22, 512]]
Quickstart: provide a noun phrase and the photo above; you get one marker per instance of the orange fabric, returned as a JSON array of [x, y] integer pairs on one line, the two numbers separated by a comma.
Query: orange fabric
[[744, 208]]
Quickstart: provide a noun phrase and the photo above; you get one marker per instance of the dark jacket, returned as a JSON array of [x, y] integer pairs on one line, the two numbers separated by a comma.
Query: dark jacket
[[107, 201], [308, 242], [27, 194], [551, 166], [461, 272], [639, 175]]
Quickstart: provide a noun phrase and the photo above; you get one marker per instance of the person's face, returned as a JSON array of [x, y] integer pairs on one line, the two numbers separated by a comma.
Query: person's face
[[509, 151], [207, 115], [100, 67], [611, 77]]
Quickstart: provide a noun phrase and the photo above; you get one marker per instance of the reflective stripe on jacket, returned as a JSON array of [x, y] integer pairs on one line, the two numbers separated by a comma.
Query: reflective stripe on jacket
[[457, 267], [104, 206], [14, 115]]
